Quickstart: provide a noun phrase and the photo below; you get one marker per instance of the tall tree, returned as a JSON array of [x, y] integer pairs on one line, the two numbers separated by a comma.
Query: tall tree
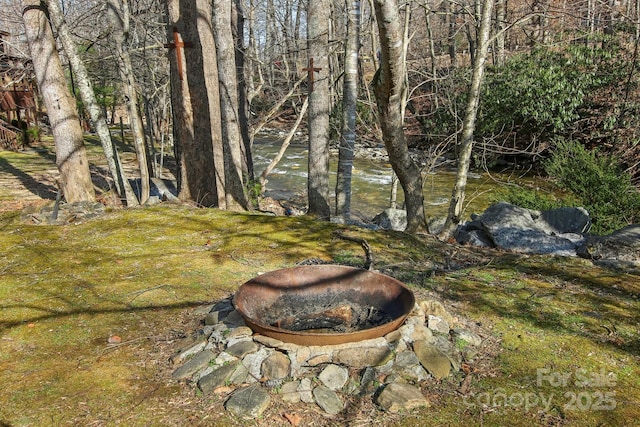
[[71, 158], [389, 87], [87, 94], [235, 167], [318, 12], [196, 103], [120, 17], [349, 104], [468, 127]]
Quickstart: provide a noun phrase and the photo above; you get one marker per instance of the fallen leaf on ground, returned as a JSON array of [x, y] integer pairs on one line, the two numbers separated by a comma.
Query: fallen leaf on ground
[[294, 419]]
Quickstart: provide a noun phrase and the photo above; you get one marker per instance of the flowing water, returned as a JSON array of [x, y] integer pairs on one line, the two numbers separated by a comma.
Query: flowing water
[[371, 182]]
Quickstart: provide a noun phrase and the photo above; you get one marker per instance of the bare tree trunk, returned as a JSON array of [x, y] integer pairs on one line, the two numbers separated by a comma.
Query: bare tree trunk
[[196, 103], [229, 106], [468, 127], [88, 97], [285, 144], [243, 95], [120, 18], [71, 159], [389, 87], [318, 119], [349, 103]]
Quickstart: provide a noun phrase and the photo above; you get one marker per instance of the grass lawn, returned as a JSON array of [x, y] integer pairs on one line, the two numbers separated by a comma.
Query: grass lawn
[[566, 349]]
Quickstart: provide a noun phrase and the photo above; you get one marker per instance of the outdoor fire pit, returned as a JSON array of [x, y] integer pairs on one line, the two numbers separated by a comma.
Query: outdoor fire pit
[[323, 304]]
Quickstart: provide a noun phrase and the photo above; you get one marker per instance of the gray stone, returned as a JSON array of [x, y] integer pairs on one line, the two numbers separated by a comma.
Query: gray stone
[[334, 377], [416, 373], [276, 366], [467, 336], [242, 348], [217, 378], [193, 365], [391, 219], [434, 361], [435, 308], [306, 390], [328, 400], [219, 333], [363, 357], [216, 316], [398, 397], [248, 402], [289, 392], [240, 331], [406, 359], [253, 362], [622, 246], [234, 319], [438, 324], [412, 332], [566, 220], [240, 375], [527, 231], [190, 351], [224, 358]]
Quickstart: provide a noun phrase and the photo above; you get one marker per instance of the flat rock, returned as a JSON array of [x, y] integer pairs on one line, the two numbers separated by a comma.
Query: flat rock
[[434, 361], [253, 362], [328, 400], [242, 348], [193, 365], [363, 357], [289, 392], [334, 377], [276, 366], [438, 324], [435, 308], [216, 378], [398, 397], [248, 402], [306, 390]]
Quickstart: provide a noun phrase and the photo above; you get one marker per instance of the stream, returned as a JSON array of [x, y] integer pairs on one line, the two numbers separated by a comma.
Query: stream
[[371, 182]]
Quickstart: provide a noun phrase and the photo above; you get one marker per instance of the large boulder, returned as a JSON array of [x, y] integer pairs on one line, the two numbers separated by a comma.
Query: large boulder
[[620, 248], [517, 229], [391, 219]]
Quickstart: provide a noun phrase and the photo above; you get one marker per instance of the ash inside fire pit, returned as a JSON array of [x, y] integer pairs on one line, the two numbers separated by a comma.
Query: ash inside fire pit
[[344, 317], [323, 304]]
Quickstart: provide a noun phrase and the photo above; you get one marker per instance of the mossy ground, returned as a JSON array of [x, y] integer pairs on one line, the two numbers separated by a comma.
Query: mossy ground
[[142, 274]]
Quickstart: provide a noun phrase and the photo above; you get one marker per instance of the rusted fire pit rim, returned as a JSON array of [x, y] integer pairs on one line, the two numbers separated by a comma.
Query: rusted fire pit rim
[[265, 289]]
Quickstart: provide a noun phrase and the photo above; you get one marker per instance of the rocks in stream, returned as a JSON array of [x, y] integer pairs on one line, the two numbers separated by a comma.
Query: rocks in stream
[[250, 370]]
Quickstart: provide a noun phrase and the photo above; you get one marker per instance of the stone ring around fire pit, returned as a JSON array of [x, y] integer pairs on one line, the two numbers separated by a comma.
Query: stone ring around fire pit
[[323, 304]]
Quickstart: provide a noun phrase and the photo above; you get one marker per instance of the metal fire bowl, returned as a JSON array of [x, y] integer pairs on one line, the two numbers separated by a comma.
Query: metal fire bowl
[[291, 291]]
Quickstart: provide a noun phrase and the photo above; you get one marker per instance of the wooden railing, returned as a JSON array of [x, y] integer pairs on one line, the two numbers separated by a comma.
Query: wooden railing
[[9, 136]]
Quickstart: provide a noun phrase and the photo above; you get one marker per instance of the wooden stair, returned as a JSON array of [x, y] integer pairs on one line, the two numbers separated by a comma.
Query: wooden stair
[[9, 136]]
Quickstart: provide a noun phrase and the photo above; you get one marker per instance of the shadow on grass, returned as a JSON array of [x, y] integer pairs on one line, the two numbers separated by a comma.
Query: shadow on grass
[[40, 189], [593, 303]]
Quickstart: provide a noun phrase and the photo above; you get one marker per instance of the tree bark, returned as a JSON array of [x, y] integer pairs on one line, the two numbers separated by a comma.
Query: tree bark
[[349, 104], [318, 118], [468, 127], [389, 86], [229, 107], [71, 159], [196, 104]]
